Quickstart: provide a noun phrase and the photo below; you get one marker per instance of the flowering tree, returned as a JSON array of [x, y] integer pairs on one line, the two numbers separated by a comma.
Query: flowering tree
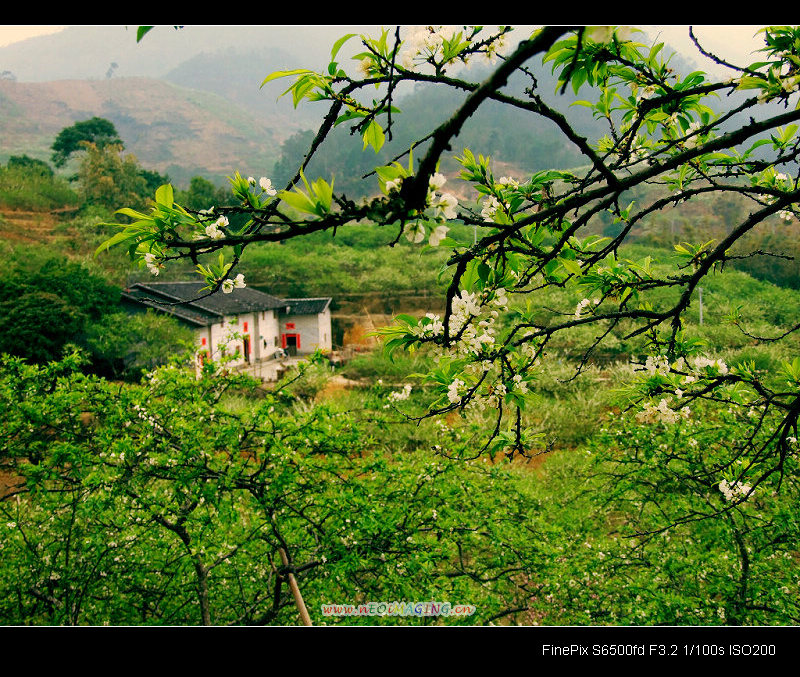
[[164, 503], [672, 139]]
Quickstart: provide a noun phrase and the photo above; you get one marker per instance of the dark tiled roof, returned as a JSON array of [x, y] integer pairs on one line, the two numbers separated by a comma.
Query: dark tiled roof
[[186, 301], [149, 299], [306, 306], [239, 301]]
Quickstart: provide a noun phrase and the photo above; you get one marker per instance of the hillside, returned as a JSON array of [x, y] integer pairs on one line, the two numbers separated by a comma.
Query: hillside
[[174, 130]]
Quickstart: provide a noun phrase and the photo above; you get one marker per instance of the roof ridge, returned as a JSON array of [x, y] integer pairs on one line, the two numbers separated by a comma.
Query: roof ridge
[[306, 298]]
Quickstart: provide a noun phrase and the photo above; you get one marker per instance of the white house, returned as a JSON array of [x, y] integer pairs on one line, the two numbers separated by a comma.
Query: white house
[[256, 328]]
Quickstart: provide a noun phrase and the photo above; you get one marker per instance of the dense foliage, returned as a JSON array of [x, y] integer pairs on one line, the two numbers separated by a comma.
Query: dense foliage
[[47, 306]]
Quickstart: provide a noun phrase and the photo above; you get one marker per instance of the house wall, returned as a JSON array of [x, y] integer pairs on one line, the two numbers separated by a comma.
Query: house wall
[[314, 330], [201, 333], [220, 331], [262, 327], [268, 334]]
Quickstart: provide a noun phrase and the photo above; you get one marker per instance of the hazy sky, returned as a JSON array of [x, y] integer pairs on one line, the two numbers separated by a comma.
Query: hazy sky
[[732, 42], [9, 34]]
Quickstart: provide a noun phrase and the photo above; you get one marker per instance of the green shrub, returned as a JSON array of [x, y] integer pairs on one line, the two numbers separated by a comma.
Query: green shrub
[[26, 188]]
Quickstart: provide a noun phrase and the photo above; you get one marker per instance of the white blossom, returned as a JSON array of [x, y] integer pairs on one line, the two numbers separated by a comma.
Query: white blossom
[[394, 185], [600, 33], [266, 185], [365, 66], [213, 229], [151, 261], [579, 308], [438, 234], [416, 233], [519, 383], [445, 206], [701, 362], [490, 206], [435, 327], [437, 181]]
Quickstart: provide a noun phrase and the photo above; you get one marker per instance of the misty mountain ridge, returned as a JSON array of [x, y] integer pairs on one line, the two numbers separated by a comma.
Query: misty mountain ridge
[[87, 52], [189, 102]]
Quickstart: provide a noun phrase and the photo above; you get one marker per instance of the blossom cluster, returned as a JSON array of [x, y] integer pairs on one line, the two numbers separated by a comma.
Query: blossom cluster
[[443, 205], [400, 395], [657, 364], [734, 491], [490, 205], [212, 230], [264, 183], [702, 362], [582, 304], [694, 138], [455, 390], [236, 283], [785, 85], [472, 327], [662, 413], [423, 44], [697, 366], [605, 34], [433, 327], [151, 261]]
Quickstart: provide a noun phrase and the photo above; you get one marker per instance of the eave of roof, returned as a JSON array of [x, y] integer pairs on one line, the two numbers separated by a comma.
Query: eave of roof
[[189, 314], [309, 306]]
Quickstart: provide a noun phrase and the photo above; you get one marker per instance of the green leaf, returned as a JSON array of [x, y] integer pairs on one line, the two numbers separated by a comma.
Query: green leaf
[[284, 74], [116, 239], [349, 115], [374, 136], [571, 266], [165, 195], [338, 44], [142, 31], [408, 319], [127, 211], [299, 201]]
